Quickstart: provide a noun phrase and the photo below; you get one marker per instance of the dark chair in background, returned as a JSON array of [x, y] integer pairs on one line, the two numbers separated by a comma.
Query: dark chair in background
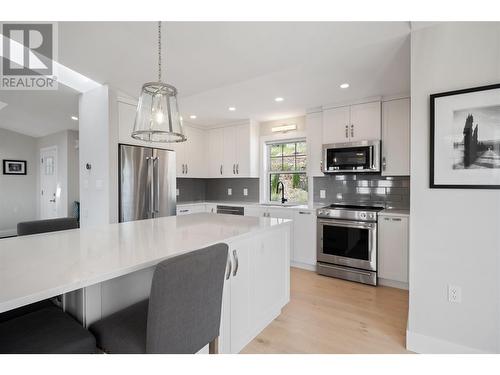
[[42, 327], [182, 314]]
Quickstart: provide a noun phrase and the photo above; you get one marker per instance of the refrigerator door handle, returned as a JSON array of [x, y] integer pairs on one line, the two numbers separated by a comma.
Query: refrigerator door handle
[[150, 159], [156, 178]]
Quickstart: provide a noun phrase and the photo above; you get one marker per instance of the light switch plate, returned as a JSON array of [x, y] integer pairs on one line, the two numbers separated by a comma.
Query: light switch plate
[[322, 194], [245, 191], [229, 191], [98, 184]]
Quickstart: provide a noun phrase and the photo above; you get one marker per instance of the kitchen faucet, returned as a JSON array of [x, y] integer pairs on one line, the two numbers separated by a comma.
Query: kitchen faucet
[[283, 199]]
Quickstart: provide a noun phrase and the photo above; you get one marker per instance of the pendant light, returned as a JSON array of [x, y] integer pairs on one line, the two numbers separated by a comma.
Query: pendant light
[[158, 118]]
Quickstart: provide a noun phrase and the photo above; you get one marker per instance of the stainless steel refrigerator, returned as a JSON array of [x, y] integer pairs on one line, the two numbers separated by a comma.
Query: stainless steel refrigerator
[[147, 183]]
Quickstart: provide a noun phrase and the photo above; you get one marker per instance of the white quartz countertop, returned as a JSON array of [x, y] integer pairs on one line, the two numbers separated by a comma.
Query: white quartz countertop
[[41, 266]]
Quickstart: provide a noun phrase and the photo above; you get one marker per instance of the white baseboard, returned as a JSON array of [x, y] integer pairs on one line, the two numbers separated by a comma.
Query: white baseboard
[[392, 283], [304, 266], [419, 343]]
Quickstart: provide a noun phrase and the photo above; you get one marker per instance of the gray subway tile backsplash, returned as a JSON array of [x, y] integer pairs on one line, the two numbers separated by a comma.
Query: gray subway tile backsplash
[[364, 188], [215, 189]]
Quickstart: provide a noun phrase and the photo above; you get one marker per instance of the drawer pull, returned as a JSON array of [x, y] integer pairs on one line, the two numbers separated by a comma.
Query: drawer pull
[[396, 219], [304, 213]]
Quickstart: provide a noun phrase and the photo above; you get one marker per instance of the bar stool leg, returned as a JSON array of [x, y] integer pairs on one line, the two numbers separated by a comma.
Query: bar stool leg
[[213, 346]]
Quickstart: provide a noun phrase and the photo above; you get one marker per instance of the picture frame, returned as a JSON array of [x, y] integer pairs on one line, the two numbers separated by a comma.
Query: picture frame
[[465, 139], [14, 167]]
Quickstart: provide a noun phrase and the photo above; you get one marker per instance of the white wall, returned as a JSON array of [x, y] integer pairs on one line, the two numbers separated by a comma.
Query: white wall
[[17, 193], [455, 234], [95, 150]]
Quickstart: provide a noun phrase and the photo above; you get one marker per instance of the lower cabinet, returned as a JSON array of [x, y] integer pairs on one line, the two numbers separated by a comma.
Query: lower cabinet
[[304, 239], [257, 286], [393, 234], [190, 209]]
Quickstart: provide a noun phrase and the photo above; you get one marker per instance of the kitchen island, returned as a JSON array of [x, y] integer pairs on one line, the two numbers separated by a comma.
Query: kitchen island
[[103, 269]]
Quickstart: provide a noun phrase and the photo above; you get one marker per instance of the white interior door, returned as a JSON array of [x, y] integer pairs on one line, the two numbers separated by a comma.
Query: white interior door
[[48, 183]]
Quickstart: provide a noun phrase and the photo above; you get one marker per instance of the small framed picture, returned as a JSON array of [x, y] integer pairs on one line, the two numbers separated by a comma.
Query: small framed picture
[[465, 138], [14, 167]]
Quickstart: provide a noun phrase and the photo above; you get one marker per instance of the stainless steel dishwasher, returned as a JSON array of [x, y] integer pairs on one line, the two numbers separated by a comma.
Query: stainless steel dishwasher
[[231, 210]]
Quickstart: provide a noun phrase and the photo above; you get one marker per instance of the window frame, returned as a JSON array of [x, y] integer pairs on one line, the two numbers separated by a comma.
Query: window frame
[[269, 172]]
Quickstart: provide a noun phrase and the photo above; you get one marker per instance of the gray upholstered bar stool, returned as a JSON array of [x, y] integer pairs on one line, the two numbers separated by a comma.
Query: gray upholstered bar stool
[[43, 328], [182, 314]]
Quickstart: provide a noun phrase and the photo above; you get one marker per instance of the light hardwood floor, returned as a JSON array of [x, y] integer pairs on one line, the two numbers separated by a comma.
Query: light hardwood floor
[[327, 315]]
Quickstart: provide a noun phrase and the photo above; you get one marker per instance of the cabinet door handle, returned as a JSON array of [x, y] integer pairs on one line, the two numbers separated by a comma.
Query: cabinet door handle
[[221, 169], [386, 219], [229, 267], [182, 169], [234, 168], [304, 213], [396, 219], [183, 210], [384, 163], [237, 264], [352, 131], [347, 131], [186, 168], [238, 168]]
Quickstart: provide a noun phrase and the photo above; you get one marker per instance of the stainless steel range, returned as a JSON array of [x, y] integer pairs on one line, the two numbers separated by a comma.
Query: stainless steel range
[[347, 242]]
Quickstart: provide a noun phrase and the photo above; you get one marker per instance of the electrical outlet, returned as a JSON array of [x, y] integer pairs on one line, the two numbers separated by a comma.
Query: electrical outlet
[[229, 191], [322, 194], [177, 193], [454, 294], [245, 191]]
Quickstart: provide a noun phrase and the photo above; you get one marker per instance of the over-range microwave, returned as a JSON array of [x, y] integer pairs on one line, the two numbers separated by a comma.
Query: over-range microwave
[[362, 156]]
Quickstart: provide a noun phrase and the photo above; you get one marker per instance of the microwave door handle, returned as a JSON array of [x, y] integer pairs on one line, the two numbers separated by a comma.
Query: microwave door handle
[[156, 174]]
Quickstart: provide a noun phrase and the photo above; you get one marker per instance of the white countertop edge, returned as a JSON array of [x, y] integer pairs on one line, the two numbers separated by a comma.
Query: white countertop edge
[[32, 298], [394, 212]]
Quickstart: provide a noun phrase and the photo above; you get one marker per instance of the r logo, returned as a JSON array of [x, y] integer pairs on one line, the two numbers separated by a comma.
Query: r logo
[[28, 50]]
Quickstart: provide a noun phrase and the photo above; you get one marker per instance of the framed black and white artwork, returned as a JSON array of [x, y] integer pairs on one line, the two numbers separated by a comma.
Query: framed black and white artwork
[[16, 167], [465, 139]]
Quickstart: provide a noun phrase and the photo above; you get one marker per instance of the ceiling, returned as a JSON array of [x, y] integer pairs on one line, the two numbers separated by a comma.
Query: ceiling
[[215, 65], [39, 113]]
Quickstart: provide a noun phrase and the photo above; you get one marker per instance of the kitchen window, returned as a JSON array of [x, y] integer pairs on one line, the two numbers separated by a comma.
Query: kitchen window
[[287, 163]]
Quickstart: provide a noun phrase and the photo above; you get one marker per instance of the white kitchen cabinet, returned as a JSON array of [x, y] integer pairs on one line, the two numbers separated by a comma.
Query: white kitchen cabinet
[[336, 122], [254, 211], [314, 128], [393, 234], [396, 137], [215, 153], [211, 208], [255, 289], [190, 155], [365, 122], [229, 152], [241, 302], [304, 239], [190, 209], [358, 122], [234, 151]]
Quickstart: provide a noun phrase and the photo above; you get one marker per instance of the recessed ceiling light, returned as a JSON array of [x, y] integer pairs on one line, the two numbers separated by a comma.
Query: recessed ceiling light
[[74, 118], [278, 99], [192, 117], [232, 109], [344, 85]]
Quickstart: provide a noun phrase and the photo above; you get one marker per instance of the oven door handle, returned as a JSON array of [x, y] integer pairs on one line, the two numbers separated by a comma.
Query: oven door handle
[[347, 223]]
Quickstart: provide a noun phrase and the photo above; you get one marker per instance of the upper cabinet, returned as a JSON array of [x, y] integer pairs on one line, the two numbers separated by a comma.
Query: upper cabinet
[[396, 137], [314, 129], [190, 154], [356, 122], [233, 151]]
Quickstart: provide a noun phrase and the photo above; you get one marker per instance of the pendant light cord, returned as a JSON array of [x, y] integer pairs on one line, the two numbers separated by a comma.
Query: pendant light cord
[[159, 51]]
